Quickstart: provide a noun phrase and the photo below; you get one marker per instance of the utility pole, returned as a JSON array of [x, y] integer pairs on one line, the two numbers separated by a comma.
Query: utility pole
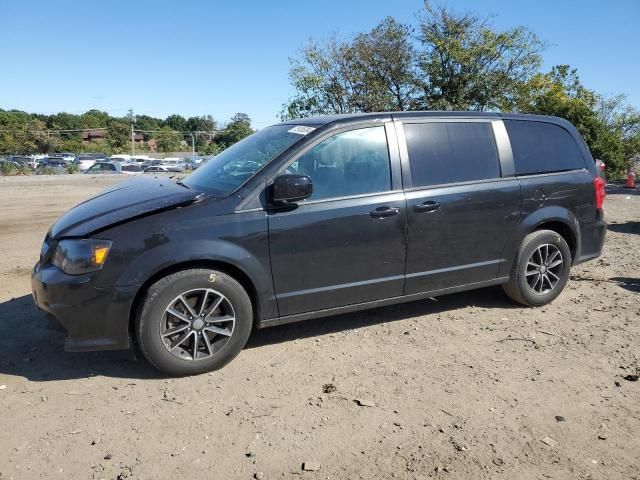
[[193, 148], [132, 119]]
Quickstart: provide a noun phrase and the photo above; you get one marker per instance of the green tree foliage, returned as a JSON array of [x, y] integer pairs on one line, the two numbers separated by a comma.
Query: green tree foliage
[[94, 119], [118, 135], [467, 64], [167, 140], [176, 122], [238, 128], [373, 72], [148, 124], [25, 133]]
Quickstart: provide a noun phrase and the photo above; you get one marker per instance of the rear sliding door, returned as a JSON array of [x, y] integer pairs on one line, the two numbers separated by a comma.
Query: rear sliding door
[[462, 202]]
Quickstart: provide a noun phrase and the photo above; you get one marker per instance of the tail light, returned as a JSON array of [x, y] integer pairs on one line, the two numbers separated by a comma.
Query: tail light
[[601, 193]]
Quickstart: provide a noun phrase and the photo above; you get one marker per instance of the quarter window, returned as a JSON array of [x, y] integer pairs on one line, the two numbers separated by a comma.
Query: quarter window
[[540, 147], [350, 163], [451, 152]]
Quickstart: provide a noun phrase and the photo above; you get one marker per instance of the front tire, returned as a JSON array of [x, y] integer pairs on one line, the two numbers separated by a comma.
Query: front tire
[[541, 269], [194, 321]]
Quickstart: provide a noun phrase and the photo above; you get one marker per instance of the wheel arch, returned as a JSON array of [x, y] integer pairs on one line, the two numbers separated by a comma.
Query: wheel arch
[[222, 266], [564, 230], [557, 219]]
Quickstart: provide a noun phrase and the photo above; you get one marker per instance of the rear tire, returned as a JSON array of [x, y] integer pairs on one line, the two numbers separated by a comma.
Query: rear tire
[[194, 321], [541, 269]]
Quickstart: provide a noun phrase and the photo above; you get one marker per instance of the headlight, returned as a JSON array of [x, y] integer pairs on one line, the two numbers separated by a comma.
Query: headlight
[[75, 257]]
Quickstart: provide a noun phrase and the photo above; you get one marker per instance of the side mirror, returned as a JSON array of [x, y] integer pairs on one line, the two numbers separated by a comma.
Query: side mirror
[[291, 188]]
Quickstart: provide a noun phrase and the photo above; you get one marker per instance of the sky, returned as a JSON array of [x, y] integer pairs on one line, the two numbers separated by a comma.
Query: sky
[[199, 57]]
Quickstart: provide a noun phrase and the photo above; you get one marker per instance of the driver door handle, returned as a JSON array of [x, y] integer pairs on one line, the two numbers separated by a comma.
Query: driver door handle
[[382, 212], [428, 206]]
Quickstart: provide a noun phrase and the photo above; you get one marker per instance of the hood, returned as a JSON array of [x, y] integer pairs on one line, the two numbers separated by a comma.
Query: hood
[[134, 198]]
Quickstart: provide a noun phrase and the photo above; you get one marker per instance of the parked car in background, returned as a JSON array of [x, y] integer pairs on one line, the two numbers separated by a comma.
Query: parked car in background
[[55, 162], [131, 169], [101, 168], [321, 216], [84, 162], [67, 157], [96, 155], [174, 167], [156, 169], [20, 161]]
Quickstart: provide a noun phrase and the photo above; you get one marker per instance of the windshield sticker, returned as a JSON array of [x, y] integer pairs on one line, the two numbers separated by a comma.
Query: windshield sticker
[[301, 130]]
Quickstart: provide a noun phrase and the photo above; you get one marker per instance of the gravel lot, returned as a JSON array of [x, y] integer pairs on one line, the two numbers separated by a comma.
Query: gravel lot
[[468, 386]]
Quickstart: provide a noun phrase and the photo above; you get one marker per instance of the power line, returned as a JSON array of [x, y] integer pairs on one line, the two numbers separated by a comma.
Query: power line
[[102, 129]]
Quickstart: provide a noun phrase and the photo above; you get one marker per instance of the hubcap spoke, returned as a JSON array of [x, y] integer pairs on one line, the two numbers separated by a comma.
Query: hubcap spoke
[[207, 342], [218, 330], [214, 306], [226, 318], [173, 331], [555, 264], [187, 305], [195, 345], [204, 303], [177, 314], [180, 341]]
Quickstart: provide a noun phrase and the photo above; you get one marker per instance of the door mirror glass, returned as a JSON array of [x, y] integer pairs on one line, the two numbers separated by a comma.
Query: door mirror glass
[[292, 188]]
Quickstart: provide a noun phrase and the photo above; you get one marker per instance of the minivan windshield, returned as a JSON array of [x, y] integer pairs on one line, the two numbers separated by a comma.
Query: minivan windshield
[[225, 172]]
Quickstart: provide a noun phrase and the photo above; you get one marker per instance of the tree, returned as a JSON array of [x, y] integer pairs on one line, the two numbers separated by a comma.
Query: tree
[[64, 121], [457, 61], [372, 72], [118, 135], [238, 128], [148, 125], [95, 119], [168, 140], [466, 64], [205, 123], [176, 122]]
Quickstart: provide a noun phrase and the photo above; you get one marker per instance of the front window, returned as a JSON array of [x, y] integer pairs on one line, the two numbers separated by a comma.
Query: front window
[[350, 163], [227, 171]]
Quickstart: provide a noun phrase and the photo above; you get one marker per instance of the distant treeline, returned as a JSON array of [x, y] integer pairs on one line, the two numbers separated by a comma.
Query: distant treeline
[[97, 131]]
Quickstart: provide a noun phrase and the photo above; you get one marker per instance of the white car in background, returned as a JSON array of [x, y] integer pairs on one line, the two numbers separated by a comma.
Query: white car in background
[[85, 162], [131, 169]]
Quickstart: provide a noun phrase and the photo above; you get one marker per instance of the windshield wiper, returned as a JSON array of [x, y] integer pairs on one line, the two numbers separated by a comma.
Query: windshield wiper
[[180, 182]]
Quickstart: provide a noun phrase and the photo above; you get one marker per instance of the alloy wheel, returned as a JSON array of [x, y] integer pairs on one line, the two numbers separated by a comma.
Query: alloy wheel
[[197, 324], [544, 269]]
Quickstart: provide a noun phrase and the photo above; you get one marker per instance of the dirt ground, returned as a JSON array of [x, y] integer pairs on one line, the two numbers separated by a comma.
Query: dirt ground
[[466, 387]]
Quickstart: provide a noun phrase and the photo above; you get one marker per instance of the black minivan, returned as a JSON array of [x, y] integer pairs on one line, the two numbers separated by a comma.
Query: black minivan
[[321, 216]]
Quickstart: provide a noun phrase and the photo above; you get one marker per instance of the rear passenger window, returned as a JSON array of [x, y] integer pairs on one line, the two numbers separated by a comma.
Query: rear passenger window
[[451, 152], [540, 147]]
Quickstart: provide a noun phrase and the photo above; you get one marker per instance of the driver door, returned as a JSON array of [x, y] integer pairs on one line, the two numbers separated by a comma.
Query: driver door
[[346, 243]]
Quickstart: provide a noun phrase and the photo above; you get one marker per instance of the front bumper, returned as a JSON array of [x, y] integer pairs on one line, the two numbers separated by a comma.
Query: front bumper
[[95, 318]]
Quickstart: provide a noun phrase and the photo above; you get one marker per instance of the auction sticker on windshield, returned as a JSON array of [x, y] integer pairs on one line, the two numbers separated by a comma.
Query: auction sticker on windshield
[[301, 130]]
